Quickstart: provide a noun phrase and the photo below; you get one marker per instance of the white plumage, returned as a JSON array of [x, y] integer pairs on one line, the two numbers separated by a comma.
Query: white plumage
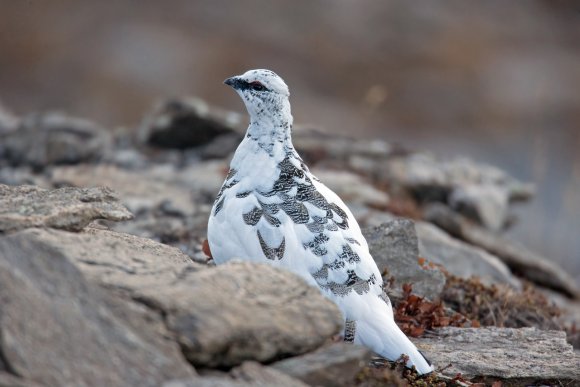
[[272, 209]]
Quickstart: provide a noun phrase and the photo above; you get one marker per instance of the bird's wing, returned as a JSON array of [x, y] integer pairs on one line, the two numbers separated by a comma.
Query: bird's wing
[[298, 223]]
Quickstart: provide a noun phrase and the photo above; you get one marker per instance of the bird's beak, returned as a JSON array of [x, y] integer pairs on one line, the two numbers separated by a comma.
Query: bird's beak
[[233, 82]]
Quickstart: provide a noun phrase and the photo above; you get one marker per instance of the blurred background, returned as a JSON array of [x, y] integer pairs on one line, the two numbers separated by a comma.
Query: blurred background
[[496, 81]]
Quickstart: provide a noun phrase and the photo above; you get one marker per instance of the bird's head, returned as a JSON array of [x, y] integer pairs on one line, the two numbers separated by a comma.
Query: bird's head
[[264, 93]]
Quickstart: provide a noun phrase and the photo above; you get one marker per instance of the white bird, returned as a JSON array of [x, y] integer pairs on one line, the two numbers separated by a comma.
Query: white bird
[[272, 209]]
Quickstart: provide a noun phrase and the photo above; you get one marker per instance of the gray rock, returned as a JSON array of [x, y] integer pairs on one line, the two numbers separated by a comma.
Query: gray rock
[[127, 158], [120, 261], [8, 380], [21, 176], [204, 178], [487, 204], [59, 329], [181, 124], [570, 309], [144, 190], [141, 190], [394, 247], [221, 147], [529, 264], [249, 374], [524, 356], [461, 259], [245, 311], [457, 257], [312, 143], [65, 208], [263, 376], [569, 316], [8, 121], [352, 188], [480, 192], [370, 217], [171, 205], [333, 365], [53, 138], [220, 316]]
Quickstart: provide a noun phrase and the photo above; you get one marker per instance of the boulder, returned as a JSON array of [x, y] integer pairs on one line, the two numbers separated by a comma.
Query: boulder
[[521, 260], [460, 258], [65, 208], [141, 190], [480, 192], [524, 356], [485, 203], [185, 123], [53, 138], [57, 328], [171, 204], [394, 246], [119, 261], [244, 311], [220, 316], [22, 176], [457, 257]]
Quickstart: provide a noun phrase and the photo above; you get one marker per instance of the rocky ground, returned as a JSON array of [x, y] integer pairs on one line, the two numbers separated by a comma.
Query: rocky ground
[[110, 286]]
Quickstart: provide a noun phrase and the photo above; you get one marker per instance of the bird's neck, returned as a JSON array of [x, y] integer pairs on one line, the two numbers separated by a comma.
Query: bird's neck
[[271, 128]]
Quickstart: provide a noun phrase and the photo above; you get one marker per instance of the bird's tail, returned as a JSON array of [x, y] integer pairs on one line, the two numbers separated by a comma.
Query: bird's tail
[[379, 332]]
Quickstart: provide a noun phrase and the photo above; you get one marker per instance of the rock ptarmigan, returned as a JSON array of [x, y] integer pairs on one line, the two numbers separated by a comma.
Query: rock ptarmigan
[[272, 209]]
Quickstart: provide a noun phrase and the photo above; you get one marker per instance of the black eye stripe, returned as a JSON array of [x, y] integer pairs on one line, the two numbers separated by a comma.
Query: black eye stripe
[[256, 86], [241, 84]]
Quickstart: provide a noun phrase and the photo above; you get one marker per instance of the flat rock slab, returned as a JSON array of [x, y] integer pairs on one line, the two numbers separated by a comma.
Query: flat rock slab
[[335, 365], [221, 316], [140, 189], [460, 258], [59, 329], [170, 204], [524, 356], [65, 208], [394, 247], [117, 260]]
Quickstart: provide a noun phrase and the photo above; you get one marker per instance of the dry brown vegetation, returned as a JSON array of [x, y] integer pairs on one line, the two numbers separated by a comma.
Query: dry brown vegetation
[[470, 303], [500, 306], [415, 314]]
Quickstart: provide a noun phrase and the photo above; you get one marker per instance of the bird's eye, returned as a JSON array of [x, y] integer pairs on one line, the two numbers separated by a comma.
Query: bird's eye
[[257, 86]]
